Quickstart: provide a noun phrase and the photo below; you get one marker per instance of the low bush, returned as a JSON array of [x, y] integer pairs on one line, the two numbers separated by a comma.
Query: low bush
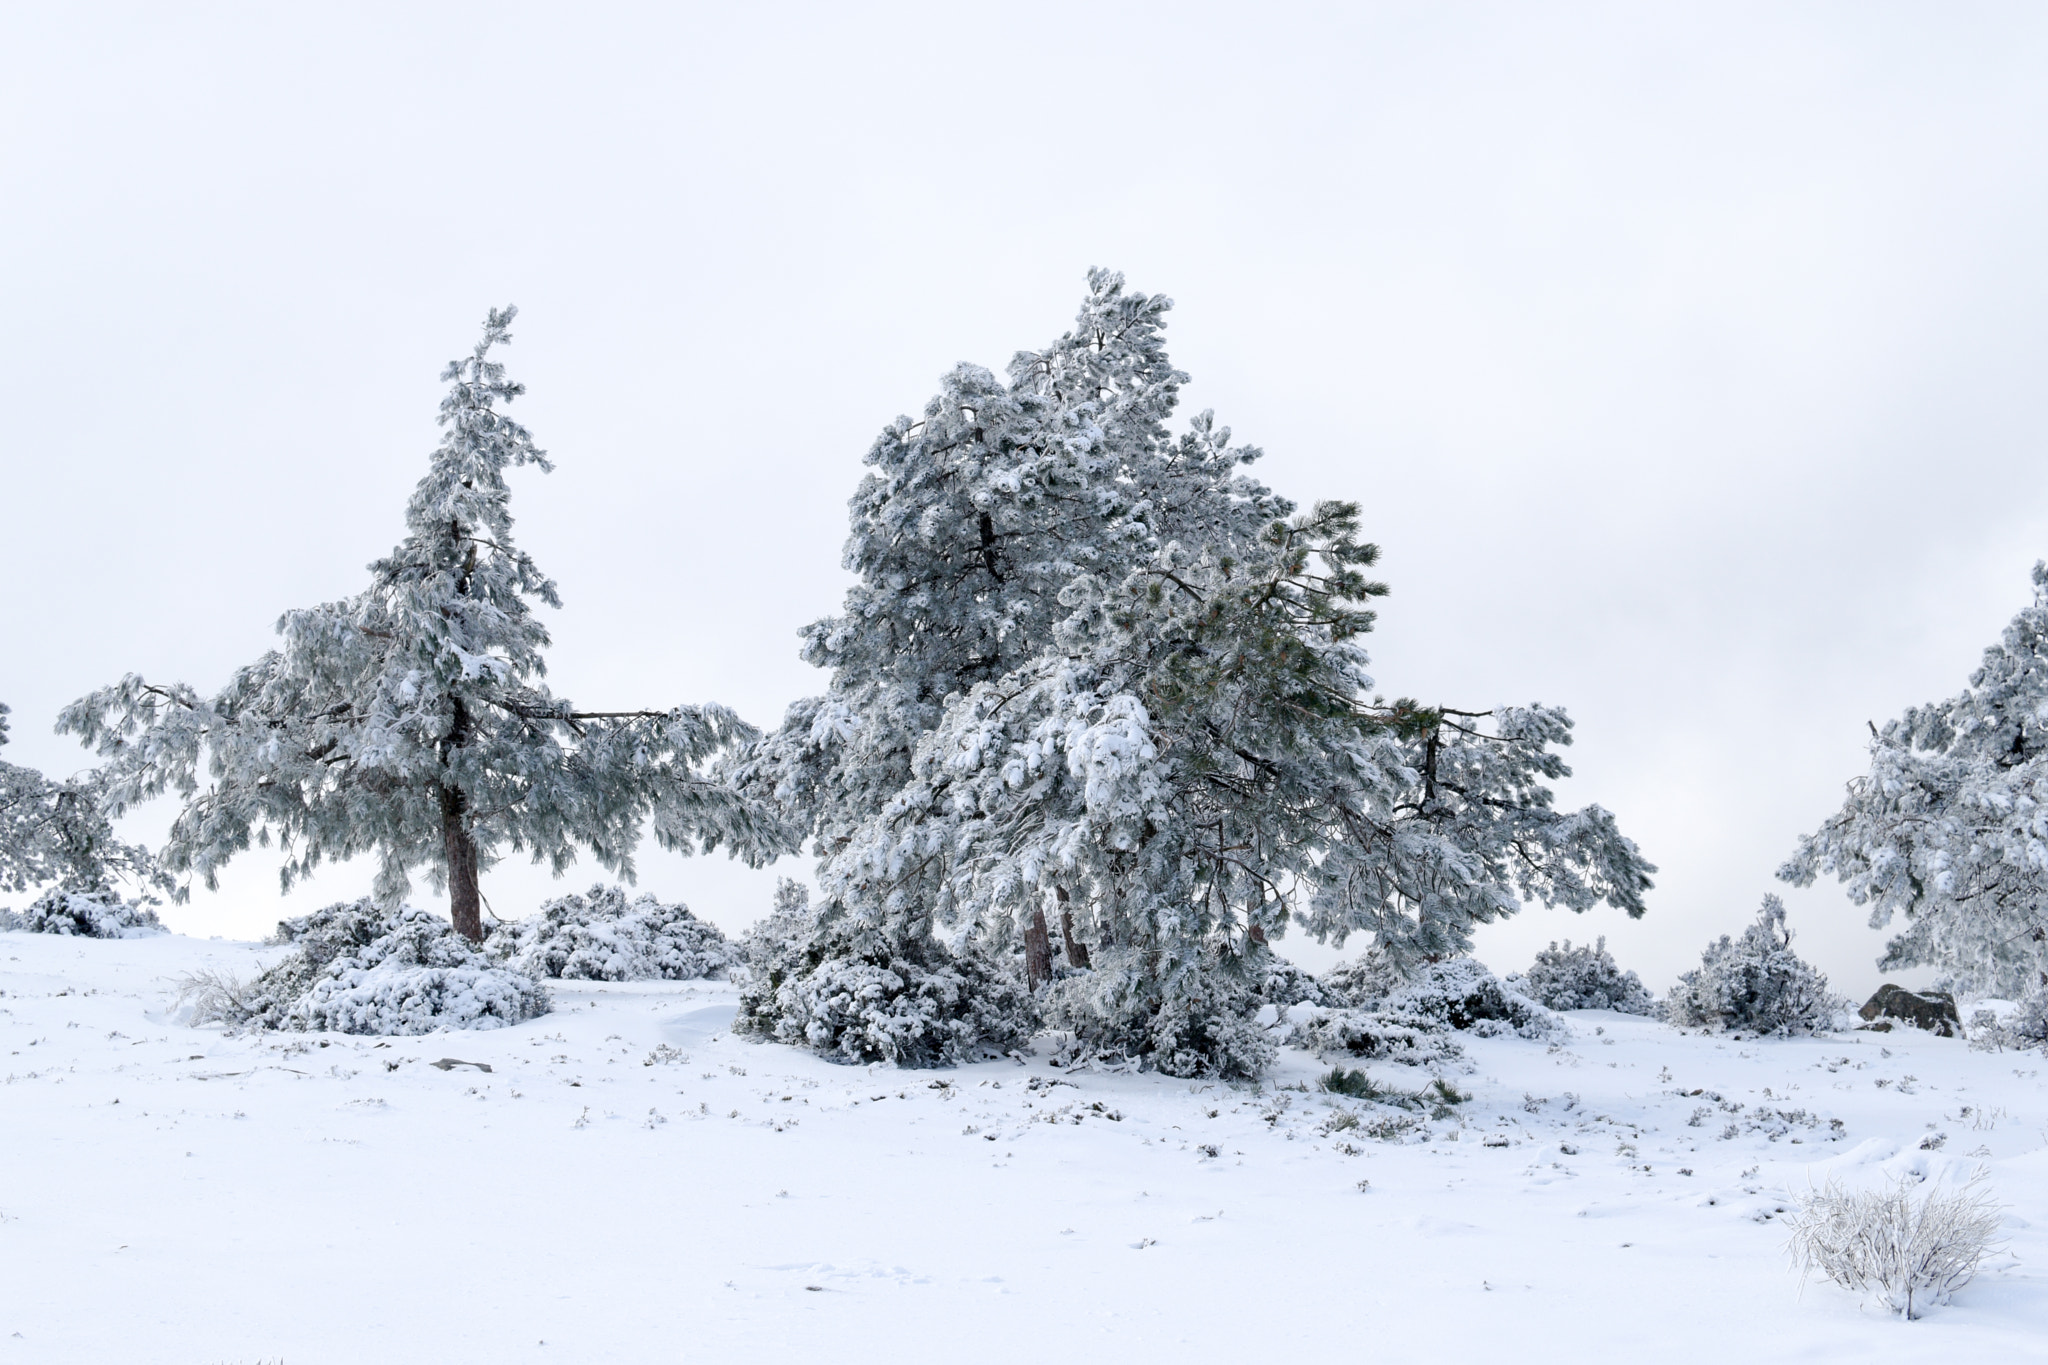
[[1356, 1084], [851, 992], [604, 937], [1372, 1035], [359, 969], [1202, 1024], [98, 913], [1455, 993], [1413, 1015], [2002, 1025], [1283, 984], [1585, 977], [1906, 1251]]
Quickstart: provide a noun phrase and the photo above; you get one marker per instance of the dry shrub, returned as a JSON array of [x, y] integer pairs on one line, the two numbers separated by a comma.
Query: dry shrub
[[1905, 1251]]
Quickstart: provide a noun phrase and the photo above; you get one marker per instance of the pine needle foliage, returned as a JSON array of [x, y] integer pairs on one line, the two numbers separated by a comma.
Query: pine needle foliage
[[56, 832], [411, 722], [1095, 676], [1947, 830], [1755, 982]]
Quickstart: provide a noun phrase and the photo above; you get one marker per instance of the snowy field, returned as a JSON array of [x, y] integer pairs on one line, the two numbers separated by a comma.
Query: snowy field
[[627, 1182]]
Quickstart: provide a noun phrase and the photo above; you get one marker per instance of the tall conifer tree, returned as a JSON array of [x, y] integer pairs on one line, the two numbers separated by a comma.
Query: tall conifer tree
[[1093, 674], [412, 721]]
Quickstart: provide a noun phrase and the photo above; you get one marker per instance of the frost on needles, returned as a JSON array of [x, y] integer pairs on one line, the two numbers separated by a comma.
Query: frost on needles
[[56, 835], [1097, 686], [1949, 829], [412, 721]]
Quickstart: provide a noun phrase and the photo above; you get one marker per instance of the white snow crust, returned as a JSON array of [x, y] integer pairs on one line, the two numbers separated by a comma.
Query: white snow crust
[[630, 1182]]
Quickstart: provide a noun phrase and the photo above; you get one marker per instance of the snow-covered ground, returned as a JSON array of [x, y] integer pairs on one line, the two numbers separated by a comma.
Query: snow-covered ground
[[627, 1182]]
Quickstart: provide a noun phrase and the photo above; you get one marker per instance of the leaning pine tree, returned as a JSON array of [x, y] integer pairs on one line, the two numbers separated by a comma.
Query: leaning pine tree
[[411, 721], [1950, 827]]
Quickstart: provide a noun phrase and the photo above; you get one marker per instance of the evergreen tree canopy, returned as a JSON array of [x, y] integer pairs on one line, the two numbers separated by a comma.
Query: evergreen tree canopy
[[411, 720], [1095, 670], [55, 832], [1950, 826]]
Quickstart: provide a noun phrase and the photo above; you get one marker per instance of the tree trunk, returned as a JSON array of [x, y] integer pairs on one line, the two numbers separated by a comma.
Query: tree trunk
[[465, 898], [1037, 950], [1077, 951]]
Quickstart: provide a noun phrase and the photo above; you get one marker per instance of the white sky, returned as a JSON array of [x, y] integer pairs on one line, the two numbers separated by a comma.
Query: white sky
[[1684, 358]]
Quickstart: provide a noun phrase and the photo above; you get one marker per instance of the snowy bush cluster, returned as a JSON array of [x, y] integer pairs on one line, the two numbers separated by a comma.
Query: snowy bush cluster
[[1455, 993], [359, 969], [2028, 1024], [84, 914], [1583, 978], [1756, 983], [1906, 1251], [604, 937], [1207, 1027], [1376, 1035], [1412, 1014], [851, 992]]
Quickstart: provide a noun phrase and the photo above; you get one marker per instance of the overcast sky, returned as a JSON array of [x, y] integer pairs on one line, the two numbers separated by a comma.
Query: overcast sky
[[1686, 359]]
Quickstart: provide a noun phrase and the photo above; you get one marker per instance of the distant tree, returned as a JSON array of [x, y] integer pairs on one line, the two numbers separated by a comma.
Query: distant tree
[[55, 833], [1754, 982], [410, 720], [1950, 826]]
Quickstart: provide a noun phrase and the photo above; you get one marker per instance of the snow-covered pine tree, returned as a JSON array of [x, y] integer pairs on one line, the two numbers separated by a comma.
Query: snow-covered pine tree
[[55, 833], [972, 520], [1198, 761], [1950, 826], [1754, 982], [1094, 673], [411, 720]]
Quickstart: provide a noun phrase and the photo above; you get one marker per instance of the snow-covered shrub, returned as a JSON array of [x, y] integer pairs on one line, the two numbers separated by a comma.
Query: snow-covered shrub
[[1585, 977], [1283, 984], [1755, 982], [1374, 1035], [1999, 1025], [359, 969], [1410, 1015], [1906, 1252], [88, 914], [1365, 982], [605, 937], [2029, 1023], [1206, 1026], [1455, 993], [851, 992]]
